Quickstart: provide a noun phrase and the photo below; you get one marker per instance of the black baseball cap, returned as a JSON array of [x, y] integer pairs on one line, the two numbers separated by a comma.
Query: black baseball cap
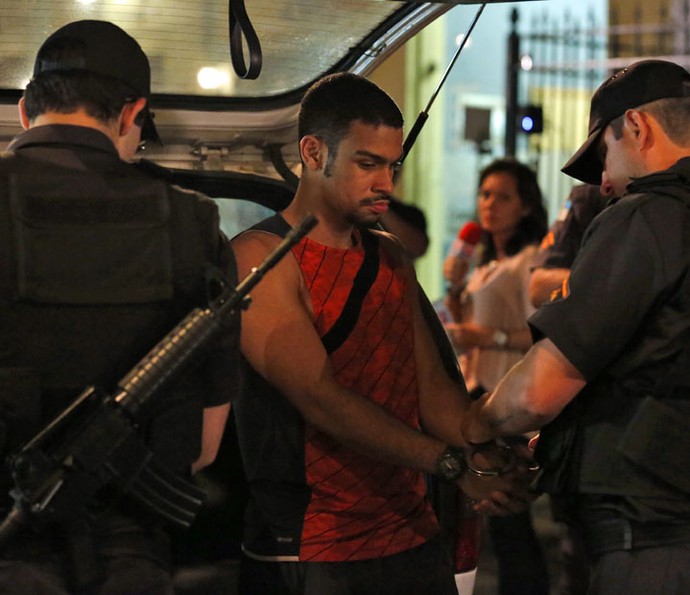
[[640, 83], [102, 48]]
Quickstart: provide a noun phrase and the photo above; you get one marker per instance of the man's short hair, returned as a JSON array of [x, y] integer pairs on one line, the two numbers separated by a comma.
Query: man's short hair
[[102, 97], [673, 115], [332, 103]]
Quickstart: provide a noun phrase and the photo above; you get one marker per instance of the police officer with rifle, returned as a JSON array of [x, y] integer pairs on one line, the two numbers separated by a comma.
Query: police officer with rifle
[[98, 261]]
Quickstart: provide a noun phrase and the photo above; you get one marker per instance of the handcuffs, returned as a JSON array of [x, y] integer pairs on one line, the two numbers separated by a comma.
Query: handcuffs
[[488, 459]]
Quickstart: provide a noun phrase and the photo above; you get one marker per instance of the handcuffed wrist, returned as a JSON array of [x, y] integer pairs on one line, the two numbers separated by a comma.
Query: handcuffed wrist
[[487, 459], [490, 459]]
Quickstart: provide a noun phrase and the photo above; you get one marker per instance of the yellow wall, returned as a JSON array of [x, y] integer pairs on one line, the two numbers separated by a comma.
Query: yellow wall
[[644, 41], [410, 76]]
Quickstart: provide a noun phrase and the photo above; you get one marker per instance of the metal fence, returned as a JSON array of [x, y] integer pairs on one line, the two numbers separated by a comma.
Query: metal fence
[[563, 58]]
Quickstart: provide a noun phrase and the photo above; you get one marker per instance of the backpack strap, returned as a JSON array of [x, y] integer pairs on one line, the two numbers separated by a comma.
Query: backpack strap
[[364, 279], [275, 225]]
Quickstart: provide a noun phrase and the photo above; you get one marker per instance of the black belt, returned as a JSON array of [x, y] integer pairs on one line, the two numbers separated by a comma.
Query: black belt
[[621, 534]]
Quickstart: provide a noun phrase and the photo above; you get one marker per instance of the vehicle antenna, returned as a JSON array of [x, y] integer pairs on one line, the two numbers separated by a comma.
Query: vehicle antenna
[[422, 117]]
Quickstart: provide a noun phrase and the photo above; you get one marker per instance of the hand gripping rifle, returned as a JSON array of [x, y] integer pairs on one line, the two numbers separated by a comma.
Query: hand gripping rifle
[[94, 441]]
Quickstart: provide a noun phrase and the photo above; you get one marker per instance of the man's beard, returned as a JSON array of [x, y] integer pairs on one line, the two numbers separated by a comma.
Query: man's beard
[[361, 220], [365, 219]]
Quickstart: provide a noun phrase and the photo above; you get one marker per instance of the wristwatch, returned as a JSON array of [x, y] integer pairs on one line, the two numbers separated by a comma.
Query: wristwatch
[[452, 464], [500, 338]]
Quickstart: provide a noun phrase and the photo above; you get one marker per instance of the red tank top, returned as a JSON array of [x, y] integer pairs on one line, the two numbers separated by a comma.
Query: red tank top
[[361, 508]]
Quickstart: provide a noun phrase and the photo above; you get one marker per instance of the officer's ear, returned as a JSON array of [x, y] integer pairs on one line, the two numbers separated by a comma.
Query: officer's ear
[[23, 118], [128, 115]]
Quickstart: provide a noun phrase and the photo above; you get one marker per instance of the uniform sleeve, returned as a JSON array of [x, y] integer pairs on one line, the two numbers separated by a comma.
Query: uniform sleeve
[[612, 287]]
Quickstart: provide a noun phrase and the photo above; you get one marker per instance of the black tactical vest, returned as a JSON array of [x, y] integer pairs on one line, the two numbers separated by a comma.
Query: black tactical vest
[[95, 268]]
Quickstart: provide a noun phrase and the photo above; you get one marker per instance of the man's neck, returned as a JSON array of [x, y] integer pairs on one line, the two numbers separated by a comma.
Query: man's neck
[[78, 118], [331, 229]]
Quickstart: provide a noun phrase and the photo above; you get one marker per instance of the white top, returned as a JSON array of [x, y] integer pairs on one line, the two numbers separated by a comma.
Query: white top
[[498, 297]]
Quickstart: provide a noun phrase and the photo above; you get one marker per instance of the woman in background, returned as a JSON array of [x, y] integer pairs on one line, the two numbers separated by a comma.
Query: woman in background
[[491, 334]]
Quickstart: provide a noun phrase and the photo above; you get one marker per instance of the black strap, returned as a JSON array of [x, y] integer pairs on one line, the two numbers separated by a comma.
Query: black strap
[[364, 279], [275, 224], [239, 26]]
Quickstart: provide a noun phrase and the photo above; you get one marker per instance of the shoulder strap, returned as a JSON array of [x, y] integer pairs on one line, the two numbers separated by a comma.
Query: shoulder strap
[[365, 277], [275, 225]]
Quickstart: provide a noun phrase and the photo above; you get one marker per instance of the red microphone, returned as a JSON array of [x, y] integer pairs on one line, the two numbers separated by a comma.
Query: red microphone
[[458, 260], [468, 238]]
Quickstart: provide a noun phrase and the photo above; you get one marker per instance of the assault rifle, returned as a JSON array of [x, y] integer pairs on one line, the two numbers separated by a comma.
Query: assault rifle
[[94, 442]]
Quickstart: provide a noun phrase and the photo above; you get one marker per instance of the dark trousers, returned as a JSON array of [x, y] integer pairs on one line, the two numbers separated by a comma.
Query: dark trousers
[[124, 576], [574, 578], [661, 570], [104, 555], [522, 568], [424, 570]]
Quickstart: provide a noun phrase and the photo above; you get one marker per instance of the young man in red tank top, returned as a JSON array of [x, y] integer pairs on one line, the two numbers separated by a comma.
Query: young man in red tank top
[[337, 436]]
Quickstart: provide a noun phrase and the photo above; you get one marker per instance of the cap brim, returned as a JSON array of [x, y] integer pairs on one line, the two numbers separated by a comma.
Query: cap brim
[[148, 130], [585, 165]]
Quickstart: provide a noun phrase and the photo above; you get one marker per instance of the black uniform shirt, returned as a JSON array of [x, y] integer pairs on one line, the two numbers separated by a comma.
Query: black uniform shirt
[[633, 257], [627, 302]]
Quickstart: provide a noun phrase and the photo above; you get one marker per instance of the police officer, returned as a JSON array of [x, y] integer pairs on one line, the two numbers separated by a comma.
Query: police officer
[[98, 261], [609, 373]]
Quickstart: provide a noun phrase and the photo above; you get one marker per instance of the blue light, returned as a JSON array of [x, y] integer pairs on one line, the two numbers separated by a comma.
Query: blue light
[[527, 123]]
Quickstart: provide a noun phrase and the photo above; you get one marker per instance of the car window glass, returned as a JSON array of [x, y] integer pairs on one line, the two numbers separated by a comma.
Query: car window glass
[[237, 215], [187, 42]]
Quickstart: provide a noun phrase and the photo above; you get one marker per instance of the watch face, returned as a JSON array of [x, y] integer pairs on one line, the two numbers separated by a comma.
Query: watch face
[[452, 464]]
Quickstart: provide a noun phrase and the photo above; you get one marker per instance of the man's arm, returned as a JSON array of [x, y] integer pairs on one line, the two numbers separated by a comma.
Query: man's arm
[[443, 402], [543, 282], [280, 342], [534, 392], [443, 405], [211, 435]]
